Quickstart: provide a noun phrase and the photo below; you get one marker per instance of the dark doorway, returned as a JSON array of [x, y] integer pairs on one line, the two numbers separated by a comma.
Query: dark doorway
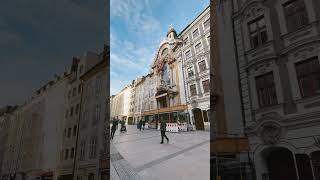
[[163, 102], [130, 121], [197, 114], [281, 164], [304, 167]]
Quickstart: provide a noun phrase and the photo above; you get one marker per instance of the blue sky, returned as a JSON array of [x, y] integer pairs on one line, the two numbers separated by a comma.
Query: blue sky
[[38, 39], [136, 29]]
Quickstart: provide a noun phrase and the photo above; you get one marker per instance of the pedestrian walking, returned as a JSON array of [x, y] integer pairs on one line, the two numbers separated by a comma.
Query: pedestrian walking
[[143, 124], [163, 126], [114, 127], [140, 125]]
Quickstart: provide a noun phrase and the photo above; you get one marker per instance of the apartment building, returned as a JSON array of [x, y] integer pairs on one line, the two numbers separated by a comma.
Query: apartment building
[[92, 147], [277, 46], [74, 94]]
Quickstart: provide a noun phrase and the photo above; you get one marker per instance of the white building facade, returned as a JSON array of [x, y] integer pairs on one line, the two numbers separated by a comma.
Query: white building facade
[[92, 146], [194, 57], [278, 53]]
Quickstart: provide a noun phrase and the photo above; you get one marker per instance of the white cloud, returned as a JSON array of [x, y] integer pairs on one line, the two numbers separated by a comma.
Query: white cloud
[[127, 66], [114, 74], [117, 85], [132, 54], [149, 24], [116, 60], [136, 15], [113, 39]]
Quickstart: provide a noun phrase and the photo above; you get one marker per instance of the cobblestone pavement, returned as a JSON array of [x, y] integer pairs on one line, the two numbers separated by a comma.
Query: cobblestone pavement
[[139, 155]]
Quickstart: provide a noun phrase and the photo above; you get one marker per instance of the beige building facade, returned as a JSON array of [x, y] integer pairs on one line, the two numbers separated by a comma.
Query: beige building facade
[[74, 94], [35, 132], [92, 147]]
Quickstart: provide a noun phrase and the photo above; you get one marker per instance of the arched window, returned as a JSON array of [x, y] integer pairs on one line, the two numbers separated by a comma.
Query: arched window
[[166, 74]]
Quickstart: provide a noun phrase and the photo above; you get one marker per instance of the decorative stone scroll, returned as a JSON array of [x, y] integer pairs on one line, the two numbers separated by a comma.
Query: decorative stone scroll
[[270, 134]]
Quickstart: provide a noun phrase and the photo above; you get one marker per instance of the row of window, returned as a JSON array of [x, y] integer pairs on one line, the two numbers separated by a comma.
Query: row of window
[[95, 116], [74, 91], [92, 146], [68, 134], [202, 66], [65, 154], [195, 33], [71, 111], [94, 88], [198, 47], [296, 17], [205, 87], [308, 76]]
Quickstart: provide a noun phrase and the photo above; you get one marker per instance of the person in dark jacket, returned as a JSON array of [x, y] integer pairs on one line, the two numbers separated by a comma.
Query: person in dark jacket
[[117, 122], [163, 126], [143, 124], [140, 125], [114, 127]]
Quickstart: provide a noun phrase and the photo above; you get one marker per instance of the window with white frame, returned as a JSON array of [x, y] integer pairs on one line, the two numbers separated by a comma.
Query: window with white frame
[[206, 23], [198, 47], [308, 75], [195, 33], [206, 86], [188, 55], [186, 40], [190, 71], [193, 90], [296, 14], [202, 65], [266, 90], [258, 32], [208, 40]]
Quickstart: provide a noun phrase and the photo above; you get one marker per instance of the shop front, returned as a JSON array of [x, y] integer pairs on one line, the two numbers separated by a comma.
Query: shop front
[[176, 114]]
